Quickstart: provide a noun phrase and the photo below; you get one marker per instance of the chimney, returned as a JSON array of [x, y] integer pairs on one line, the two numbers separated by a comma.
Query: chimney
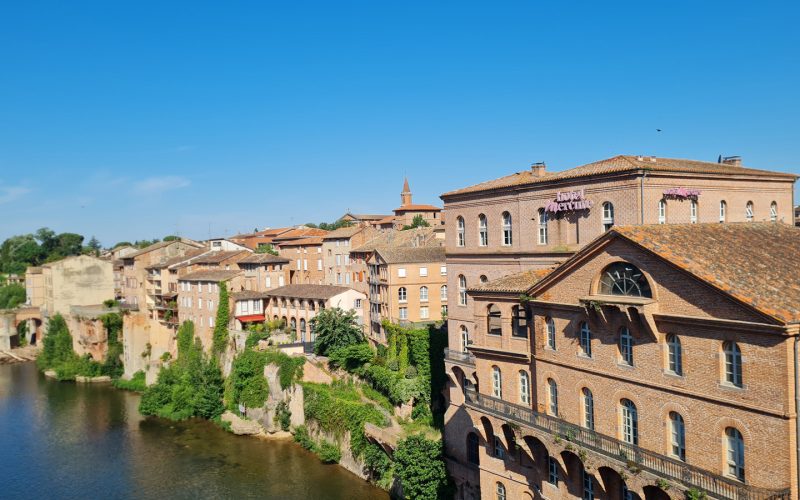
[[537, 169], [736, 161]]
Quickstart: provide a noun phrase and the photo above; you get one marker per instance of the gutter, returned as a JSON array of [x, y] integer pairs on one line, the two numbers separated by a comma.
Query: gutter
[[797, 403], [641, 195]]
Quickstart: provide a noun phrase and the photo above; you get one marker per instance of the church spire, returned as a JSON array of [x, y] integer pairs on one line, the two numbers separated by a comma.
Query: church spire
[[405, 196]]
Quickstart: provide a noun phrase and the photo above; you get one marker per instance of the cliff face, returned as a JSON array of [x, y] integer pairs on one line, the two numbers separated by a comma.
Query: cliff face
[[267, 414]]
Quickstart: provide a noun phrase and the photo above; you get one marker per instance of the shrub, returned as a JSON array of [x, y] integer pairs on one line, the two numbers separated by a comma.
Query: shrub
[[290, 368], [221, 322], [283, 416], [302, 437], [329, 452], [376, 461], [246, 384], [136, 383], [421, 469], [351, 357], [336, 328]]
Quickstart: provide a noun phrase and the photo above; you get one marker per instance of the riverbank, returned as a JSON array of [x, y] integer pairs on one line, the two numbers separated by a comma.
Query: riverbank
[[19, 355]]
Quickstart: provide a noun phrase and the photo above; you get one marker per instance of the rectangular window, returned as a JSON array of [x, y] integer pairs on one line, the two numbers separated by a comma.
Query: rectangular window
[[319, 264], [588, 486], [280, 280], [210, 305], [358, 304], [423, 312], [299, 265], [268, 282], [347, 278], [423, 271], [443, 270], [338, 259], [199, 303], [403, 313], [346, 259], [211, 321], [305, 264], [401, 272], [552, 471]]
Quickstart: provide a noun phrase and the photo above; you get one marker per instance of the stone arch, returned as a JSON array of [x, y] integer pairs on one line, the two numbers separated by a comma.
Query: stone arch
[[536, 449], [573, 472], [613, 482], [485, 430], [595, 283], [652, 492]]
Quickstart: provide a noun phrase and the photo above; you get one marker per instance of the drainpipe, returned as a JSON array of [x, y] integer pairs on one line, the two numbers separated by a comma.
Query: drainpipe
[[641, 197], [797, 402]]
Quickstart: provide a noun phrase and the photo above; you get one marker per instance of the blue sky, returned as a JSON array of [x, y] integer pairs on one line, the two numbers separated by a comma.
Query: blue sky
[[132, 120]]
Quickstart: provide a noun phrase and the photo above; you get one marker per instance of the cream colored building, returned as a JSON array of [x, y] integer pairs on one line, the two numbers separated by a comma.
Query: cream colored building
[[80, 280], [198, 299], [34, 287], [336, 260]]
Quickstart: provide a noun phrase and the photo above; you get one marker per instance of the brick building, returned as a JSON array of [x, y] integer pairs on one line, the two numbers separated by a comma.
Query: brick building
[[336, 261], [656, 360], [198, 298]]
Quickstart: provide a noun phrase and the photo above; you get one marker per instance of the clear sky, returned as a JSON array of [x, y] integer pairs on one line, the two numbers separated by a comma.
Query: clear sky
[[130, 120]]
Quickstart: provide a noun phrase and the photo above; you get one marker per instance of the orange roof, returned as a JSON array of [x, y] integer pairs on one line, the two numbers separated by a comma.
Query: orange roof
[[301, 232], [513, 283], [301, 242], [618, 164]]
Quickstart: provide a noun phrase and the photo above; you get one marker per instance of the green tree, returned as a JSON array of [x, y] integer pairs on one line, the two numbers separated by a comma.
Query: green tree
[[421, 469], [171, 237], [123, 244], [266, 248], [68, 244], [11, 296], [57, 344], [417, 221], [221, 324], [336, 329]]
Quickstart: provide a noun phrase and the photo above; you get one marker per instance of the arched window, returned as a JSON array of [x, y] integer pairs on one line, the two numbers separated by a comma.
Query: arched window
[[773, 211], [293, 324], [551, 333], [630, 422], [733, 363], [748, 211], [677, 436], [693, 211], [473, 456], [519, 321], [734, 453], [723, 211], [621, 278], [464, 338], [507, 239], [662, 211], [524, 387], [608, 216], [493, 320], [625, 346], [423, 294], [460, 231], [542, 226], [483, 231], [552, 397], [674, 354], [443, 292], [497, 382], [303, 326], [501, 491], [462, 290], [588, 408], [499, 451], [402, 294], [586, 339]]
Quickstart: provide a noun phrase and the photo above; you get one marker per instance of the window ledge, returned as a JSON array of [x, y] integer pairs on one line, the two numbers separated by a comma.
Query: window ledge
[[587, 358], [730, 387], [674, 375], [625, 366]]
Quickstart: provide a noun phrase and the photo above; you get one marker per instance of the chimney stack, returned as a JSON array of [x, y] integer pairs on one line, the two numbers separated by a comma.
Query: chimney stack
[[537, 169], [736, 161]]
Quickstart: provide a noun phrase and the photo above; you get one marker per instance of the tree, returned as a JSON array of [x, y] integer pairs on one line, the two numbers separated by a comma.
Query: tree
[[417, 221], [335, 329], [171, 237], [266, 248], [11, 296], [69, 244], [57, 344], [223, 317], [420, 467], [94, 246], [122, 244]]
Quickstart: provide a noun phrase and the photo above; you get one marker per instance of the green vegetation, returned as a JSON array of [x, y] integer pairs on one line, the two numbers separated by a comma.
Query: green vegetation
[[136, 383], [19, 252], [351, 357], [59, 356], [283, 416], [246, 384], [329, 452], [695, 494], [336, 329], [417, 221], [330, 226], [11, 296], [113, 366], [22, 333], [290, 368], [192, 386], [419, 464], [221, 324], [267, 248]]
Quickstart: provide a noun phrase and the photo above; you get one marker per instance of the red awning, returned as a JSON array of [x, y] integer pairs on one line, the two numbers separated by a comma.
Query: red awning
[[250, 318]]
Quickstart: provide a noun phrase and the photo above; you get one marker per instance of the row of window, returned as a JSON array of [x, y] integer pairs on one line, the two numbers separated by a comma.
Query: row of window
[[732, 354], [302, 264], [423, 271], [187, 302], [402, 293], [723, 211], [187, 286], [506, 234]]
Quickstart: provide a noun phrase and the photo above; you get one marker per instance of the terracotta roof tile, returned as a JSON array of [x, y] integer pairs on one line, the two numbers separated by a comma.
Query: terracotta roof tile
[[264, 258], [307, 291], [408, 255], [513, 283], [210, 275]]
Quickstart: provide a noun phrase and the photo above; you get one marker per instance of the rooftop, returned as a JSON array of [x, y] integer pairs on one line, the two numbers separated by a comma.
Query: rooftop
[[300, 242], [160, 244], [248, 294], [321, 292], [620, 164], [210, 275], [417, 237], [343, 232], [263, 258], [513, 283], [416, 207], [408, 255]]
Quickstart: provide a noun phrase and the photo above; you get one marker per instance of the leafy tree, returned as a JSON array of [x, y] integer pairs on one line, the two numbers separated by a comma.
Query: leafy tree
[[94, 244], [221, 324], [123, 244], [171, 237], [335, 329], [417, 221], [268, 248], [330, 226], [57, 344], [11, 296], [421, 469], [69, 244]]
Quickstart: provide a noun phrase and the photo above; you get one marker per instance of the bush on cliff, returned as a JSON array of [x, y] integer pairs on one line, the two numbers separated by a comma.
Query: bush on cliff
[[59, 356], [336, 328], [420, 466]]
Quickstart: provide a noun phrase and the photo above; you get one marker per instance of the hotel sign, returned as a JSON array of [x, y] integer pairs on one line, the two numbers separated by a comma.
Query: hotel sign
[[569, 201], [681, 193]]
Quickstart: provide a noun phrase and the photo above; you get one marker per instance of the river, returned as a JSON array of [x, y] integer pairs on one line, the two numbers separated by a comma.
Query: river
[[67, 440]]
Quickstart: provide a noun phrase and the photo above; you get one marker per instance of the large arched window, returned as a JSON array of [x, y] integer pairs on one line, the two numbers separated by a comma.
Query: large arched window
[[630, 422], [519, 321], [460, 231], [773, 211], [507, 236], [303, 327], [499, 451], [674, 354], [423, 294], [524, 387], [748, 211], [622, 278], [464, 338], [677, 436], [585, 339], [608, 216], [733, 363], [552, 397], [588, 408], [723, 211], [402, 294], [625, 346], [693, 211], [734, 444], [494, 324], [497, 382], [462, 290], [483, 231], [473, 456], [542, 226], [501, 491], [293, 324], [662, 211], [550, 326]]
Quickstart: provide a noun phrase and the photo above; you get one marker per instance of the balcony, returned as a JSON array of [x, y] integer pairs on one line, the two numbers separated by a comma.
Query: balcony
[[715, 486], [458, 357]]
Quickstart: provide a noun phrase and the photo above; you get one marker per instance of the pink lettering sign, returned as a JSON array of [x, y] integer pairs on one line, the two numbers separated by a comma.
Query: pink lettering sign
[[569, 201], [681, 193]]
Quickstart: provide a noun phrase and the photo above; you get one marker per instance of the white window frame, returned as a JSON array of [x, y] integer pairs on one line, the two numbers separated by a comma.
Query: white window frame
[[552, 397], [508, 229], [423, 294], [693, 211], [483, 231], [401, 272], [423, 272], [662, 211], [542, 226], [748, 211], [497, 382], [460, 240], [524, 387]]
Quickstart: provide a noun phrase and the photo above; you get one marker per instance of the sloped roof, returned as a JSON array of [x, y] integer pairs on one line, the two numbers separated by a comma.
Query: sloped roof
[[300, 232], [408, 255], [300, 242], [513, 283], [248, 294], [415, 207], [210, 275], [321, 292], [264, 258], [343, 232], [421, 236], [160, 244], [364, 217], [619, 164]]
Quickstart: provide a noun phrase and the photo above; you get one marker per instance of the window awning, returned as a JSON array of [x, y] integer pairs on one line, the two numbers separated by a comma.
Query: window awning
[[250, 318]]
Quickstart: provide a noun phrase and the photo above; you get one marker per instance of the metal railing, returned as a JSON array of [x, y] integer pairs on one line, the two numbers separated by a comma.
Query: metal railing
[[635, 457], [464, 358]]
